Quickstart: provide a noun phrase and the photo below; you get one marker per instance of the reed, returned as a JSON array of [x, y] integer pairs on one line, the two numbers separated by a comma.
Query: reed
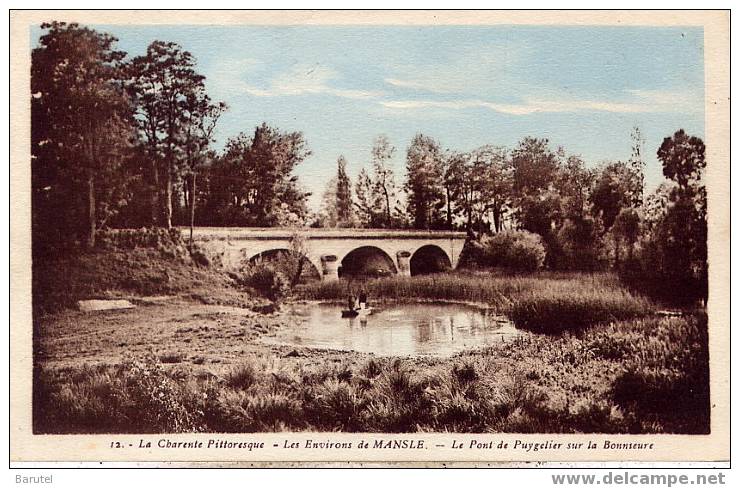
[[549, 303]]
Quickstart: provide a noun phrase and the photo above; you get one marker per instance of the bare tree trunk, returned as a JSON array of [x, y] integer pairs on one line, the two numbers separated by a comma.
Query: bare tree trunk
[[91, 209], [469, 221], [299, 271], [192, 210], [91, 217], [155, 195], [168, 198], [617, 252], [186, 191], [387, 208], [497, 218]]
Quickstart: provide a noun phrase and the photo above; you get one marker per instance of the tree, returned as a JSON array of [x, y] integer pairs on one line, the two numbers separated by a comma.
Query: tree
[[343, 196], [682, 233], [493, 170], [292, 262], [252, 183], [477, 184], [656, 205], [535, 172], [578, 244], [328, 215], [611, 192], [201, 117], [424, 176], [368, 210], [683, 158], [384, 185], [535, 166], [81, 127], [170, 99], [627, 229], [576, 184], [637, 164], [457, 194]]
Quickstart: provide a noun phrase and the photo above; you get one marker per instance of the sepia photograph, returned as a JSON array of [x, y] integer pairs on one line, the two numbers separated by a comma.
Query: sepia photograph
[[378, 228]]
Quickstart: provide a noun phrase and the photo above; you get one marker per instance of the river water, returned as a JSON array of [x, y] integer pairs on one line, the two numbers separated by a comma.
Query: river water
[[435, 329]]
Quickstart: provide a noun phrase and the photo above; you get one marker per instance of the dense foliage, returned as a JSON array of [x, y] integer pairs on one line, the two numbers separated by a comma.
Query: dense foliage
[[514, 250], [121, 142]]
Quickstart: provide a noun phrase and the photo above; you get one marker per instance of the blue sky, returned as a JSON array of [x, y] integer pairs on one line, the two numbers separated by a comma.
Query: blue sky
[[584, 88]]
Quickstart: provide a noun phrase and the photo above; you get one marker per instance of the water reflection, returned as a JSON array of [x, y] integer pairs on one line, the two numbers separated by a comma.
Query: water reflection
[[397, 330]]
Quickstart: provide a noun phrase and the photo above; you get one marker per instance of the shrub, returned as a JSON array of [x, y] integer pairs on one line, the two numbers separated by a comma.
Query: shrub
[[372, 368], [171, 357], [553, 313], [265, 279], [158, 404], [515, 250], [337, 405], [465, 373], [168, 241], [241, 377], [666, 381], [579, 245], [89, 399], [264, 411]]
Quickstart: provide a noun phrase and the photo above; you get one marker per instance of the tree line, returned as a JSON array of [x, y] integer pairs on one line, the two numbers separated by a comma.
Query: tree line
[[121, 141]]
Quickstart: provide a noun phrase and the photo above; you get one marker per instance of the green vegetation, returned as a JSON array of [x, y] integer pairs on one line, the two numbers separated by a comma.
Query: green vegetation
[[607, 364], [638, 376], [547, 303], [145, 157], [267, 279], [141, 262], [513, 250]]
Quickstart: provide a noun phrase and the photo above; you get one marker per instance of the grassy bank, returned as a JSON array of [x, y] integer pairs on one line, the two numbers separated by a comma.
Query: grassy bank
[[127, 264], [637, 376], [609, 364], [548, 303]]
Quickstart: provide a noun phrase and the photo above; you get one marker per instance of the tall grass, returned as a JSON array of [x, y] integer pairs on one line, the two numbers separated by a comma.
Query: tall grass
[[543, 302], [637, 376]]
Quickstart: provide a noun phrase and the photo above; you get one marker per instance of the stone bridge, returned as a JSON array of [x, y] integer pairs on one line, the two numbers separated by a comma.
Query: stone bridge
[[333, 252]]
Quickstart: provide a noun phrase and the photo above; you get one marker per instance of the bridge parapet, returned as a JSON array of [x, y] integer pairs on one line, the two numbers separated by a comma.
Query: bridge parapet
[[327, 248], [270, 233]]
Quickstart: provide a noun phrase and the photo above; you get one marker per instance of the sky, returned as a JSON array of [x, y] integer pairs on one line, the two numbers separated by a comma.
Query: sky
[[583, 88]]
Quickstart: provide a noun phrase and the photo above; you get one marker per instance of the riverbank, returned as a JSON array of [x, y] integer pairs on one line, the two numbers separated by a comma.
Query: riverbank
[[182, 365], [196, 360], [546, 303]]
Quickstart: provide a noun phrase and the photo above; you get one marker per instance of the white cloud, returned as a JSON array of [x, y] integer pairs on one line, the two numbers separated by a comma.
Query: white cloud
[[433, 86], [456, 105], [307, 80], [226, 76], [639, 101], [473, 68]]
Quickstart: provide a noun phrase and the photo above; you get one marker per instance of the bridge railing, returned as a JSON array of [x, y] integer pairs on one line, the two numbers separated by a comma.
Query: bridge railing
[[343, 233]]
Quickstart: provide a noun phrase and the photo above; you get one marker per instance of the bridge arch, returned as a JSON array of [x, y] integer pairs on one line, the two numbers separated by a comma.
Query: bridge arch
[[366, 261], [309, 271], [429, 259], [232, 247]]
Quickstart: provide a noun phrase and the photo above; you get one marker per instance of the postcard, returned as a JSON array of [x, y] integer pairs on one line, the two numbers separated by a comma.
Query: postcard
[[369, 237]]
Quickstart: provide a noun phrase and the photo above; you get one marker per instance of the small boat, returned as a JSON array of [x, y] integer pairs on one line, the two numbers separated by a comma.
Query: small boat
[[357, 312]]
